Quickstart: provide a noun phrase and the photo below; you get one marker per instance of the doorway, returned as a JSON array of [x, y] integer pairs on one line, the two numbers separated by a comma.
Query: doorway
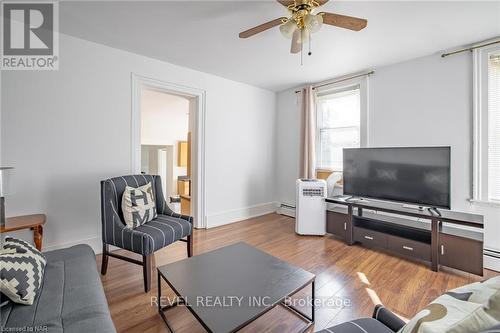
[[168, 140]]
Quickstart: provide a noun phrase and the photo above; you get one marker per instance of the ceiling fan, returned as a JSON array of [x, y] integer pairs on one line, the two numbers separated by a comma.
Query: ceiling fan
[[302, 22]]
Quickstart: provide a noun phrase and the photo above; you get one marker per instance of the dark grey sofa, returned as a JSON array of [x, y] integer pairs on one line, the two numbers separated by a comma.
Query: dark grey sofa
[[71, 300]]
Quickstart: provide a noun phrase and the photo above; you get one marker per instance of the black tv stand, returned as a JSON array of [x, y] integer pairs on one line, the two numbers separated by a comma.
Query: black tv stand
[[353, 198], [434, 210], [431, 237]]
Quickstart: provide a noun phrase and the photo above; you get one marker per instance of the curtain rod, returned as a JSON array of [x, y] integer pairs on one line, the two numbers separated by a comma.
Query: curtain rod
[[469, 49], [340, 80]]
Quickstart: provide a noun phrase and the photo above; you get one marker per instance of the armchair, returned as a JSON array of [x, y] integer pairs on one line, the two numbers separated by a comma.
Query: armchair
[[146, 239], [382, 321]]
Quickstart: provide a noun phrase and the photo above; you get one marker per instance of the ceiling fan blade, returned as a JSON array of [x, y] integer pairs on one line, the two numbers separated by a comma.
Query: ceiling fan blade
[[342, 21], [262, 27], [286, 3], [321, 2], [296, 44]]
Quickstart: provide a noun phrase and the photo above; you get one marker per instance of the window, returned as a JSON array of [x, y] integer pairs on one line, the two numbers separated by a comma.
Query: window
[[487, 125], [339, 126], [494, 126]]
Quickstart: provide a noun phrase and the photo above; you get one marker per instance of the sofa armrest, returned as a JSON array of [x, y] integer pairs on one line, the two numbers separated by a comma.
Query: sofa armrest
[[387, 318]]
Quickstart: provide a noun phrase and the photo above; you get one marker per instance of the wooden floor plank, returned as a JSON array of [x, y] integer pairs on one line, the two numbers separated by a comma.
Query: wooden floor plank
[[353, 278]]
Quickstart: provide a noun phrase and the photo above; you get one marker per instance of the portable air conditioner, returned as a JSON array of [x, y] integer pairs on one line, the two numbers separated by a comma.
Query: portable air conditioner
[[310, 210]]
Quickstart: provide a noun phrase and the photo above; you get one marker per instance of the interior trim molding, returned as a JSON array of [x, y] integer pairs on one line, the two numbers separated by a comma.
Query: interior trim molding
[[199, 169], [236, 215], [95, 243]]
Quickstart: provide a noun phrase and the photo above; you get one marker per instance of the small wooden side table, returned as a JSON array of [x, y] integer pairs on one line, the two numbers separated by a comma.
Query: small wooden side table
[[32, 222]]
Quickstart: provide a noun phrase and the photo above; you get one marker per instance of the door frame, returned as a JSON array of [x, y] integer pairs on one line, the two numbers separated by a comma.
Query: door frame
[[198, 96]]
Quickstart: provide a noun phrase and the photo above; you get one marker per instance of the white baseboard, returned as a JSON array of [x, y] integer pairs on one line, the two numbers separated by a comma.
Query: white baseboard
[[94, 243], [236, 215], [286, 210], [491, 263], [491, 260], [214, 220]]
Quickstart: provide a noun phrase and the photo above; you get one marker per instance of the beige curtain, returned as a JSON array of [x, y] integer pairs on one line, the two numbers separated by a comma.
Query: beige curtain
[[308, 134]]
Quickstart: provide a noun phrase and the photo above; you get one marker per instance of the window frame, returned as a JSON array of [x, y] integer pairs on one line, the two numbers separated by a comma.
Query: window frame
[[480, 126], [362, 84]]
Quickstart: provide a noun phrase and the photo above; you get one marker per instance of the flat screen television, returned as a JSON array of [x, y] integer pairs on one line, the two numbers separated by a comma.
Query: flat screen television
[[415, 175]]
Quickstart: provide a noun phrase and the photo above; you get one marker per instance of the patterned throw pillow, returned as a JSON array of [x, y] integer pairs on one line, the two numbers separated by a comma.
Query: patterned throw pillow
[[138, 205], [21, 270], [471, 308], [21, 246]]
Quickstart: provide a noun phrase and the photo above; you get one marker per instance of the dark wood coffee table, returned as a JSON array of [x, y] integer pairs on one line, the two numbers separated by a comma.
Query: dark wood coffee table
[[230, 287]]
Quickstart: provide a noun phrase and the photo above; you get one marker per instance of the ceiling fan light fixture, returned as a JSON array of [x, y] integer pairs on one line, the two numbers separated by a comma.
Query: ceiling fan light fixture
[[300, 23], [305, 34], [313, 22], [296, 45], [287, 29]]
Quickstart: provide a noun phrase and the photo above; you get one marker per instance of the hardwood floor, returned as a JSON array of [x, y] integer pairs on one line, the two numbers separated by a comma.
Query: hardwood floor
[[357, 276]]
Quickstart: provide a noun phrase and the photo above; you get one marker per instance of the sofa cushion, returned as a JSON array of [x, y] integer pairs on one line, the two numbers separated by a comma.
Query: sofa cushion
[[478, 292], [72, 298], [21, 270], [471, 308], [362, 325], [494, 329]]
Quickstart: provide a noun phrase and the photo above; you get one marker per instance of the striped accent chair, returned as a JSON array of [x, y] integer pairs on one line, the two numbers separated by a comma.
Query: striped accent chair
[[146, 239]]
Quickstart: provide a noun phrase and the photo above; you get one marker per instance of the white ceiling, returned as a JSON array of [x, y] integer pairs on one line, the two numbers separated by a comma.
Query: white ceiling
[[204, 35]]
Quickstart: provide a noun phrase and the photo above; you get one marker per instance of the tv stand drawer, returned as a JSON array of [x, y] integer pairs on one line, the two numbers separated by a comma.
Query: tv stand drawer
[[409, 247], [369, 237], [337, 223]]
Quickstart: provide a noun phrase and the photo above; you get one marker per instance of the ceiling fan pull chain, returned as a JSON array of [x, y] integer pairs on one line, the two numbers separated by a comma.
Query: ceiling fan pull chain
[[301, 54], [309, 44]]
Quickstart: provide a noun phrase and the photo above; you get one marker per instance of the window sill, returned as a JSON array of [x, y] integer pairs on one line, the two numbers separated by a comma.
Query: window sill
[[487, 203]]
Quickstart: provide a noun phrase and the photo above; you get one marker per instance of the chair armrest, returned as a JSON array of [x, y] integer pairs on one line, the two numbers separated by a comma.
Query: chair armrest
[[165, 210], [387, 318], [185, 217]]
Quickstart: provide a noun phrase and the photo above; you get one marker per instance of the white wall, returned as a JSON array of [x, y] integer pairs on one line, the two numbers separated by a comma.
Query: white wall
[[66, 130], [428, 101], [425, 101], [287, 145]]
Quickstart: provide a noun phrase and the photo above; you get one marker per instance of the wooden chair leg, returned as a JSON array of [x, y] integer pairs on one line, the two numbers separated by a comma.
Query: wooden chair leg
[[190, 245], [146, 271], [104, 265]]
